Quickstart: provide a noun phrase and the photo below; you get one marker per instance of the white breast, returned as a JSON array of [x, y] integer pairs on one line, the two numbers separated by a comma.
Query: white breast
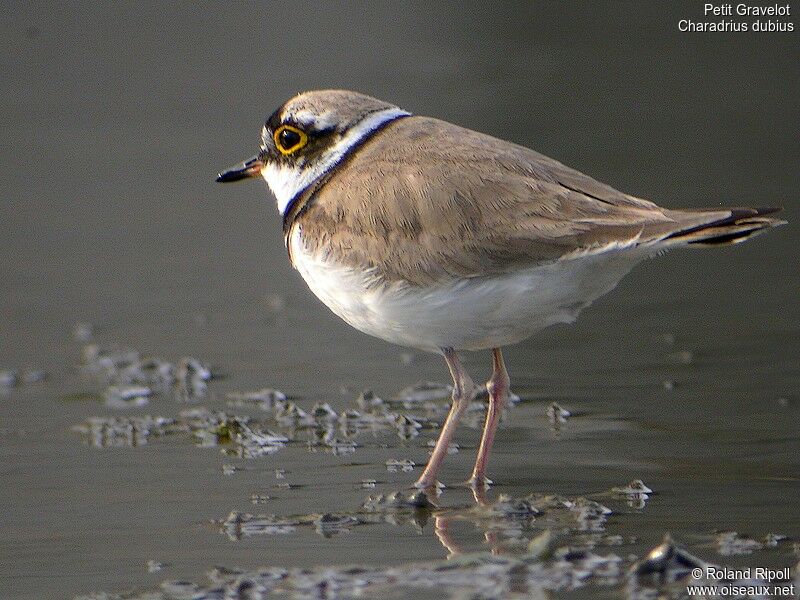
[[466, 314]]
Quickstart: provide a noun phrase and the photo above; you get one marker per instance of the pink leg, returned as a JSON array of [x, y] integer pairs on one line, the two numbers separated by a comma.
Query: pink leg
[[498, 394], [463, 389]]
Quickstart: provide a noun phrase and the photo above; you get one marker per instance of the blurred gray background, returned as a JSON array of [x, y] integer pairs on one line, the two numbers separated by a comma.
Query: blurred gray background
[[116, 118]]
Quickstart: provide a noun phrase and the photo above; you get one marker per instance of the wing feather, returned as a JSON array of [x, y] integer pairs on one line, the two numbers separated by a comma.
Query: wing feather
[[426, 200]]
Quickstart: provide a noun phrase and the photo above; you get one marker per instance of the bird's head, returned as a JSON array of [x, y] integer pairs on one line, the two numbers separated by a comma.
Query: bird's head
[[307, 137]]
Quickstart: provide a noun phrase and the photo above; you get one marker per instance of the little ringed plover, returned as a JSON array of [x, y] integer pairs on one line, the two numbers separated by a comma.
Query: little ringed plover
[[436, 237]]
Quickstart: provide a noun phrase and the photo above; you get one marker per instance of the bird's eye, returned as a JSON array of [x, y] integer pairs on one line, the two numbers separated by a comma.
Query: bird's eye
[[289, 139]]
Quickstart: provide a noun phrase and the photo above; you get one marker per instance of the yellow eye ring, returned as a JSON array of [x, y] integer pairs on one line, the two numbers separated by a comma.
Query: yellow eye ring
[[289, 139]]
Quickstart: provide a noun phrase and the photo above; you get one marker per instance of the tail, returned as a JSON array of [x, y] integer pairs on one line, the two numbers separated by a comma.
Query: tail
[[715, 227]]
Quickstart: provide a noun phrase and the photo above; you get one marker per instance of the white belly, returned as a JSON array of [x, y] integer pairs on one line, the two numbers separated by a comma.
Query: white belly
[[467, 314]]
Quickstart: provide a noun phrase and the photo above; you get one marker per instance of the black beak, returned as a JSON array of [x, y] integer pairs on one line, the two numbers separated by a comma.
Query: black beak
[[249, 168]]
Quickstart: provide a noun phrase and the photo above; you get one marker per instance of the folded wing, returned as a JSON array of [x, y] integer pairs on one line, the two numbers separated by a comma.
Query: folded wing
[[428, 201]]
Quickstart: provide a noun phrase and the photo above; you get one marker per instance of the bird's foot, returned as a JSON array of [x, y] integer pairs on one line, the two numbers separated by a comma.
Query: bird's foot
[[479, 484], [478, 481], [428, 484]]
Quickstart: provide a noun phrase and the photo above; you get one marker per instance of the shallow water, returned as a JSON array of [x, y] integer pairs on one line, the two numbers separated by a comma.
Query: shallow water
[[685, 377]]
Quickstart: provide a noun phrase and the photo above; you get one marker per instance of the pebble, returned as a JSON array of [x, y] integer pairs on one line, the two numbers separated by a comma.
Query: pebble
[[126, 396], [368, 401], [241, 525], [507, 506], [453, 448], [263, 399], [667, 561], [112, 432], [8, 378], [154, 566], [731, 543], [636, 486], [191, 377], [398, 501], [557, 415], [404, 465], [323, 411]]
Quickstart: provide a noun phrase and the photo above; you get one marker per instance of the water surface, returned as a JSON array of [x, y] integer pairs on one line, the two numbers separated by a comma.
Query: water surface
[[117, 119]]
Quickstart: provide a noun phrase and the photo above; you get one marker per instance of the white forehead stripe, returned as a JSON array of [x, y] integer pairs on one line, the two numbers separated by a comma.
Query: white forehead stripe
[[306, 118], [287, 181]]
